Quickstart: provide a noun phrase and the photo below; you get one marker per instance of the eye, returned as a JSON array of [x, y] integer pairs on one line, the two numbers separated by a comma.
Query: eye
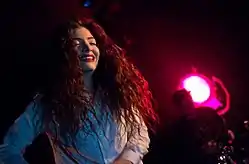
[[76, 42], [93, 44]]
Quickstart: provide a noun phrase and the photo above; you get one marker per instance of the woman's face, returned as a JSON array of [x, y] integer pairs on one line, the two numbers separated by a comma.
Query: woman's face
[[86, 47]]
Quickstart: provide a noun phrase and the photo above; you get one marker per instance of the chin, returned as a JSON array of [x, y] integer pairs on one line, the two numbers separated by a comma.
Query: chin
[[88, 66], [88, 69]]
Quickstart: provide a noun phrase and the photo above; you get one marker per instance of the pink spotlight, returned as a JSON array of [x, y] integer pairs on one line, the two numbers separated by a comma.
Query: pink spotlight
[[198, 87]]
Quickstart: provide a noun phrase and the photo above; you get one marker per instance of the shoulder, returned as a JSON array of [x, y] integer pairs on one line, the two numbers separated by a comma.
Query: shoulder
[[35, 105]]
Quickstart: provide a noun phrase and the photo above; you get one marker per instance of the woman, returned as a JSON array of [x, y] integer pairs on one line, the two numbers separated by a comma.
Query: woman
[[96, 108]]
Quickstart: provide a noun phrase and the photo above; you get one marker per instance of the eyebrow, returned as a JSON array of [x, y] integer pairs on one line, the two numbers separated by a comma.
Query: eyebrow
[[88, 38], [91, 37]]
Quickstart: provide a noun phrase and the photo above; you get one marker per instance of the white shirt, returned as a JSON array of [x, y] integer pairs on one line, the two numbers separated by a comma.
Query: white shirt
[[107, 143]]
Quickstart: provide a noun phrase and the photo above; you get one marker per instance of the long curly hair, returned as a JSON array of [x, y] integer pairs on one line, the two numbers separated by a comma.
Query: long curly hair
[[123, 89]]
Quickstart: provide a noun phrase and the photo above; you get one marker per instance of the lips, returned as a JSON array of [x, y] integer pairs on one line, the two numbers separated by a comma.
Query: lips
[[88, 58]]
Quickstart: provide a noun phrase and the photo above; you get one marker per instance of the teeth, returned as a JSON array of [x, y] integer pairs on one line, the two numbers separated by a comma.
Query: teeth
[[88, 58]]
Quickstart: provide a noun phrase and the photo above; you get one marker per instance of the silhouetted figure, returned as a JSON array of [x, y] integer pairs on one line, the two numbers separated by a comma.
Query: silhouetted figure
[[183, 145], [195, 136]]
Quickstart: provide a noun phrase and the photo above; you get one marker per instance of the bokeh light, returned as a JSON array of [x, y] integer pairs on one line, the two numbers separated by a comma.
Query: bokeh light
[[198, 87], [87, 3]]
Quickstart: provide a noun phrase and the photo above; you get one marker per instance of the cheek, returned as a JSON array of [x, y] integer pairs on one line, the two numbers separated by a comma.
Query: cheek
[[75, 51], [96, 52]]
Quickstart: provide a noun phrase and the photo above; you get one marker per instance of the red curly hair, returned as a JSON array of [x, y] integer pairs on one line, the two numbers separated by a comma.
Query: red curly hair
[[123, 88]]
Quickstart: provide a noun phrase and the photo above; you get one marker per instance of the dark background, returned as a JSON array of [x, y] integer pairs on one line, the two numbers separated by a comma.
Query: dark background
[[165, 39]]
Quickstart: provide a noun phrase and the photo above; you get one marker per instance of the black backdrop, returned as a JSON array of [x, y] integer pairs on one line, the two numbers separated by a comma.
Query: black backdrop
[[164, 38]]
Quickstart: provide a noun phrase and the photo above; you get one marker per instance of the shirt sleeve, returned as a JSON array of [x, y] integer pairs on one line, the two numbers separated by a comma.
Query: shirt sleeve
[[21, 134], [137, 145]]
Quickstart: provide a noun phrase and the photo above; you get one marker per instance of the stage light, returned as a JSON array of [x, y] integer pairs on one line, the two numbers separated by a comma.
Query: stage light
[[203, 92], [199, 88], [87, 3]]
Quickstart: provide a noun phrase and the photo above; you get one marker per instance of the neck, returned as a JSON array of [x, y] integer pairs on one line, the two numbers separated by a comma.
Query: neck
[[88, 82]]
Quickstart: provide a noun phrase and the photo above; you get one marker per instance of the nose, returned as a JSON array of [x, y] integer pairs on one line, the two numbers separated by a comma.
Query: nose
[[86, 47]]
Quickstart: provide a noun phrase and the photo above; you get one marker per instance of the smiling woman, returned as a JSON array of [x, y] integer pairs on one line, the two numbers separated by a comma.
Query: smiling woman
[[85, 46], [97, 108]]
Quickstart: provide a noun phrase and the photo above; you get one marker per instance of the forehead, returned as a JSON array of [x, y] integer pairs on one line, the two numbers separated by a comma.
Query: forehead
[[81, 32]]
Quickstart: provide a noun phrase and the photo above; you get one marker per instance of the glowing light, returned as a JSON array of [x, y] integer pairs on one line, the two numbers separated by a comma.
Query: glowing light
[[204, 92], [87, 3], [198, 87]]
